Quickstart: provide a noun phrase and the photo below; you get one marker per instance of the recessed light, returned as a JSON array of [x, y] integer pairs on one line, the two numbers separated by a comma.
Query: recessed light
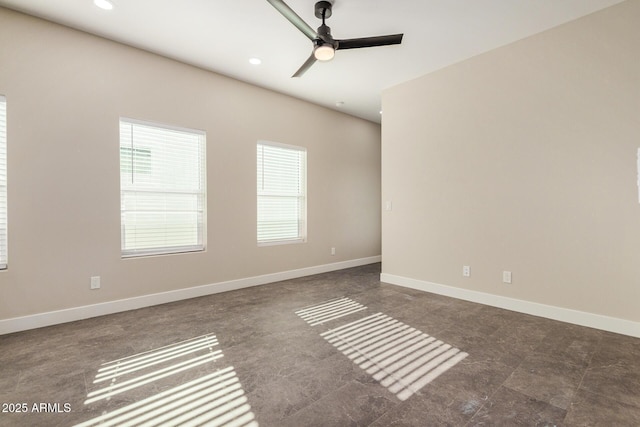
[[255, 61], [103, 4]]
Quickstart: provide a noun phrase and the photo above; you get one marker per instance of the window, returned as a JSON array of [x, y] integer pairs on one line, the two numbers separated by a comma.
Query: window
[[3, 183], [281, 171], [162, 189]]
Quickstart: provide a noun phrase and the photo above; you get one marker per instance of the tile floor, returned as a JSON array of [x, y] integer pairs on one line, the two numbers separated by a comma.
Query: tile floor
[[336, 349]]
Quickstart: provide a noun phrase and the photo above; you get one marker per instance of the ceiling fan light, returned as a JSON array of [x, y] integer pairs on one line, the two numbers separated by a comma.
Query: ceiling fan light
[[324, 52]]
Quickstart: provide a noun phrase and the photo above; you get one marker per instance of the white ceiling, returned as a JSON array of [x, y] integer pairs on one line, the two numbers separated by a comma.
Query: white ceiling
[[222, 35]]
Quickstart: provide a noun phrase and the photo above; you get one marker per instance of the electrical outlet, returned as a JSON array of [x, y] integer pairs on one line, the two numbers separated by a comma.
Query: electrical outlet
[[506, 277], [333, 251], [466, 271], [95, 282]]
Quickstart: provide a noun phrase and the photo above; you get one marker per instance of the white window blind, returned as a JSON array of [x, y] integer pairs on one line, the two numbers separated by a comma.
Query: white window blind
[[162, 189], [3, 183], [281, 171]]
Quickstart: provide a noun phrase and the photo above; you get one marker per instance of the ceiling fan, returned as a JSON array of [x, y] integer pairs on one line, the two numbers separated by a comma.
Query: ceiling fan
[[324, 45]]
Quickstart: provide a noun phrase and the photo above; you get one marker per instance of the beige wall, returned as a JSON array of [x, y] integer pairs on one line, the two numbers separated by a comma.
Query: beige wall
[[65, 93], [523, 159]]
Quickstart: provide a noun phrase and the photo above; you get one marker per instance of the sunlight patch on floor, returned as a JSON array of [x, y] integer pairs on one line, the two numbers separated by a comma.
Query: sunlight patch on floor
[[398, 356], [212, 399], [329, 310], [403, 359]]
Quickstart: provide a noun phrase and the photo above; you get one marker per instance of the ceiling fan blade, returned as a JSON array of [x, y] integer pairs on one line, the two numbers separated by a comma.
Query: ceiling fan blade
[[370, 41], [307, 64], [292, 17]]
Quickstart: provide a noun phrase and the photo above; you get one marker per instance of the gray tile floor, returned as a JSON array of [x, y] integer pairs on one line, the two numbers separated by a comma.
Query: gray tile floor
[[373, 354]]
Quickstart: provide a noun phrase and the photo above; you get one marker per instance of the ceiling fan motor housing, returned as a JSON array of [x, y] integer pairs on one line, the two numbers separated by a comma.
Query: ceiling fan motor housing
[[324, 35]]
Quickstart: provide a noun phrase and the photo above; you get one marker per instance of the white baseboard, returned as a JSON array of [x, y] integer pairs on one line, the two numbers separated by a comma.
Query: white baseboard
[[40, 320], [591, 320]]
